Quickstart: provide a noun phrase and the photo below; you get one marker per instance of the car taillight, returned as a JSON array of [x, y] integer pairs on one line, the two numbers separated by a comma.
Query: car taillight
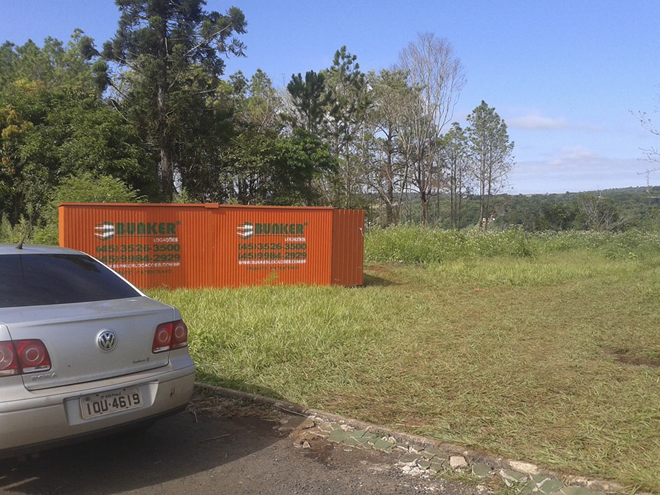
[[32, 355], [171, 335], [179, 334], [23, 356], [8, 361]]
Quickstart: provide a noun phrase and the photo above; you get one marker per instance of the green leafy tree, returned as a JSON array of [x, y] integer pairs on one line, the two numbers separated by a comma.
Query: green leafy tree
[[349, 101], [260, 163], [53, 124], [491, 155], [13, 128], [260, 168], [170, 53], [55, 64], [455, 155], [385, 169]]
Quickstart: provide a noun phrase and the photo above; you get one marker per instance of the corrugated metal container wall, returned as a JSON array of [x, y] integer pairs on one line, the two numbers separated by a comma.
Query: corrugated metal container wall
[[347, 247], [152, 245], [210, 245], [274, 245]]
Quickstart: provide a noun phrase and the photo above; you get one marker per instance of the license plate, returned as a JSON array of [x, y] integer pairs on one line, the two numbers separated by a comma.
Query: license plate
[[111, 402]]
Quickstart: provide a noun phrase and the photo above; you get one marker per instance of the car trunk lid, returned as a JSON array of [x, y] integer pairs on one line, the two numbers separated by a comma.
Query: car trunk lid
[[93, 340]]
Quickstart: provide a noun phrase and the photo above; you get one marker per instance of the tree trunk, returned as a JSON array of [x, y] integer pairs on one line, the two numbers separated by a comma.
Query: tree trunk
[[165, 145], [482, 199], [425, 208], [389, 211]]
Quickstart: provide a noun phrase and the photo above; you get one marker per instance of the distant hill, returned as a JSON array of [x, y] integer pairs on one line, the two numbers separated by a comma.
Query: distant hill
[[625, 207]]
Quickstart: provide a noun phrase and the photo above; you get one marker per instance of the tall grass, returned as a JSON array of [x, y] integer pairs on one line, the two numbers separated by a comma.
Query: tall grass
[[413, 244]]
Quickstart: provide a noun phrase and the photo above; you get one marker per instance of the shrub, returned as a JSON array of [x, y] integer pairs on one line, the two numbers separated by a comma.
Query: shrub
[[84, 188]]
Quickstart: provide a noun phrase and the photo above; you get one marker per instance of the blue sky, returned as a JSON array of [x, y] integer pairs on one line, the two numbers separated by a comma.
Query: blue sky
[[568, 77]]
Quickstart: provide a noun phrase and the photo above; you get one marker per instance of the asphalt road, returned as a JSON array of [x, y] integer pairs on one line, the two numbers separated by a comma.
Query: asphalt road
[[218, 446]]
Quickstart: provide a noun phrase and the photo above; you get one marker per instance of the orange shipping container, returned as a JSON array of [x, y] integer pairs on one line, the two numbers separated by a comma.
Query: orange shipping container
[[211, 245]]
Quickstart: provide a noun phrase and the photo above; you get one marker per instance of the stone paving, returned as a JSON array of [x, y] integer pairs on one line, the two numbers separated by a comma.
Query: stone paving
[[417, 456], [519, 477]]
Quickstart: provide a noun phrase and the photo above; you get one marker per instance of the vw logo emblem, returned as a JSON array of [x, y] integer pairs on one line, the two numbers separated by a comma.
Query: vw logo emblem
[[107, 341]]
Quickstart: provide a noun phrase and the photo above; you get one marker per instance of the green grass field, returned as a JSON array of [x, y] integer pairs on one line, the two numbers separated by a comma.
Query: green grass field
[[543, 348]]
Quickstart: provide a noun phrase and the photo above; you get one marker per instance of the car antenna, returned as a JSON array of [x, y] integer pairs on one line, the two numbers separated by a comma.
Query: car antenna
[[20, 244]]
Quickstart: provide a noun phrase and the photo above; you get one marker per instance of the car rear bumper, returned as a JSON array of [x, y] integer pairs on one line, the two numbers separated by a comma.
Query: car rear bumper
[[55, 417]]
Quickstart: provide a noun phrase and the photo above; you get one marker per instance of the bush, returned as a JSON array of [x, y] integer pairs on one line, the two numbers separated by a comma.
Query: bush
[[84, 188], [14, 233]]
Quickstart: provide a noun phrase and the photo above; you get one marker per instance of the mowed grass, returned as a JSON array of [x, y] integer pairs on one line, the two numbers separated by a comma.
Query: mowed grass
[[547, 354]]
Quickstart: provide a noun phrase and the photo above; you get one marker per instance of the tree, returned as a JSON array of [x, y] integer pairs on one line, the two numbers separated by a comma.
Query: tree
[[53, 124], [349, 102], [55, 64], [491, 155], [433, 68], [260, 162], [599, 213], [455, 155], [264, 168], [384, 168], [309, 100], [169, 53], [86, 187], [264, 105]]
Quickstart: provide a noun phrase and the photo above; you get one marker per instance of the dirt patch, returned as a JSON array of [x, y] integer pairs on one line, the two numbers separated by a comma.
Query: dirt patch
[[626, 357], [638, 360], [204, 404]]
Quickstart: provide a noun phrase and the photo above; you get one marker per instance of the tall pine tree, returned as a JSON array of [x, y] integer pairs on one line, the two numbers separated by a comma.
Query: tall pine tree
[[169, 56]]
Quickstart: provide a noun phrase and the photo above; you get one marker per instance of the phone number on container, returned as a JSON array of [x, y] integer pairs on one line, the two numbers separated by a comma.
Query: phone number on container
[[296, 255], [139, 258]]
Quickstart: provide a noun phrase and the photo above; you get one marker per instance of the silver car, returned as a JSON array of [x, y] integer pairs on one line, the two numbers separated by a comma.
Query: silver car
[[82, 351]]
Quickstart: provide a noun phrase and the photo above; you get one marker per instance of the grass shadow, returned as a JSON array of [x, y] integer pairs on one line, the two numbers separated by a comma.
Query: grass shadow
[[379, 275], [376, 281], [213, 379]]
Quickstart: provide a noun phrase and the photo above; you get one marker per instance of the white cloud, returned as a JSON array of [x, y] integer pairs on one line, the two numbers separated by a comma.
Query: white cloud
[[569, 155], [575, 169], [535, 121], [532, 120]]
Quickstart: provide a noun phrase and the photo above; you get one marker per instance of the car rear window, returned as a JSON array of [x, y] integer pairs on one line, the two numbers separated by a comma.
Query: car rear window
[[39, 279]]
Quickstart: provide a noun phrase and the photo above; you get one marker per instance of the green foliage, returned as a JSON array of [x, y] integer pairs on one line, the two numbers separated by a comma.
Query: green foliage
[[14, 233], [310, 99], [263, 168], [383, 161], [454, 149], [171, 53], [417, 245], [90, 188], [349, 101], [491, 153], [83, 188], [53, 124]]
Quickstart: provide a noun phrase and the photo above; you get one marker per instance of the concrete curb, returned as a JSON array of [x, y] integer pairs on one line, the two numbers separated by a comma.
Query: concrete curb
[[415, 441]]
